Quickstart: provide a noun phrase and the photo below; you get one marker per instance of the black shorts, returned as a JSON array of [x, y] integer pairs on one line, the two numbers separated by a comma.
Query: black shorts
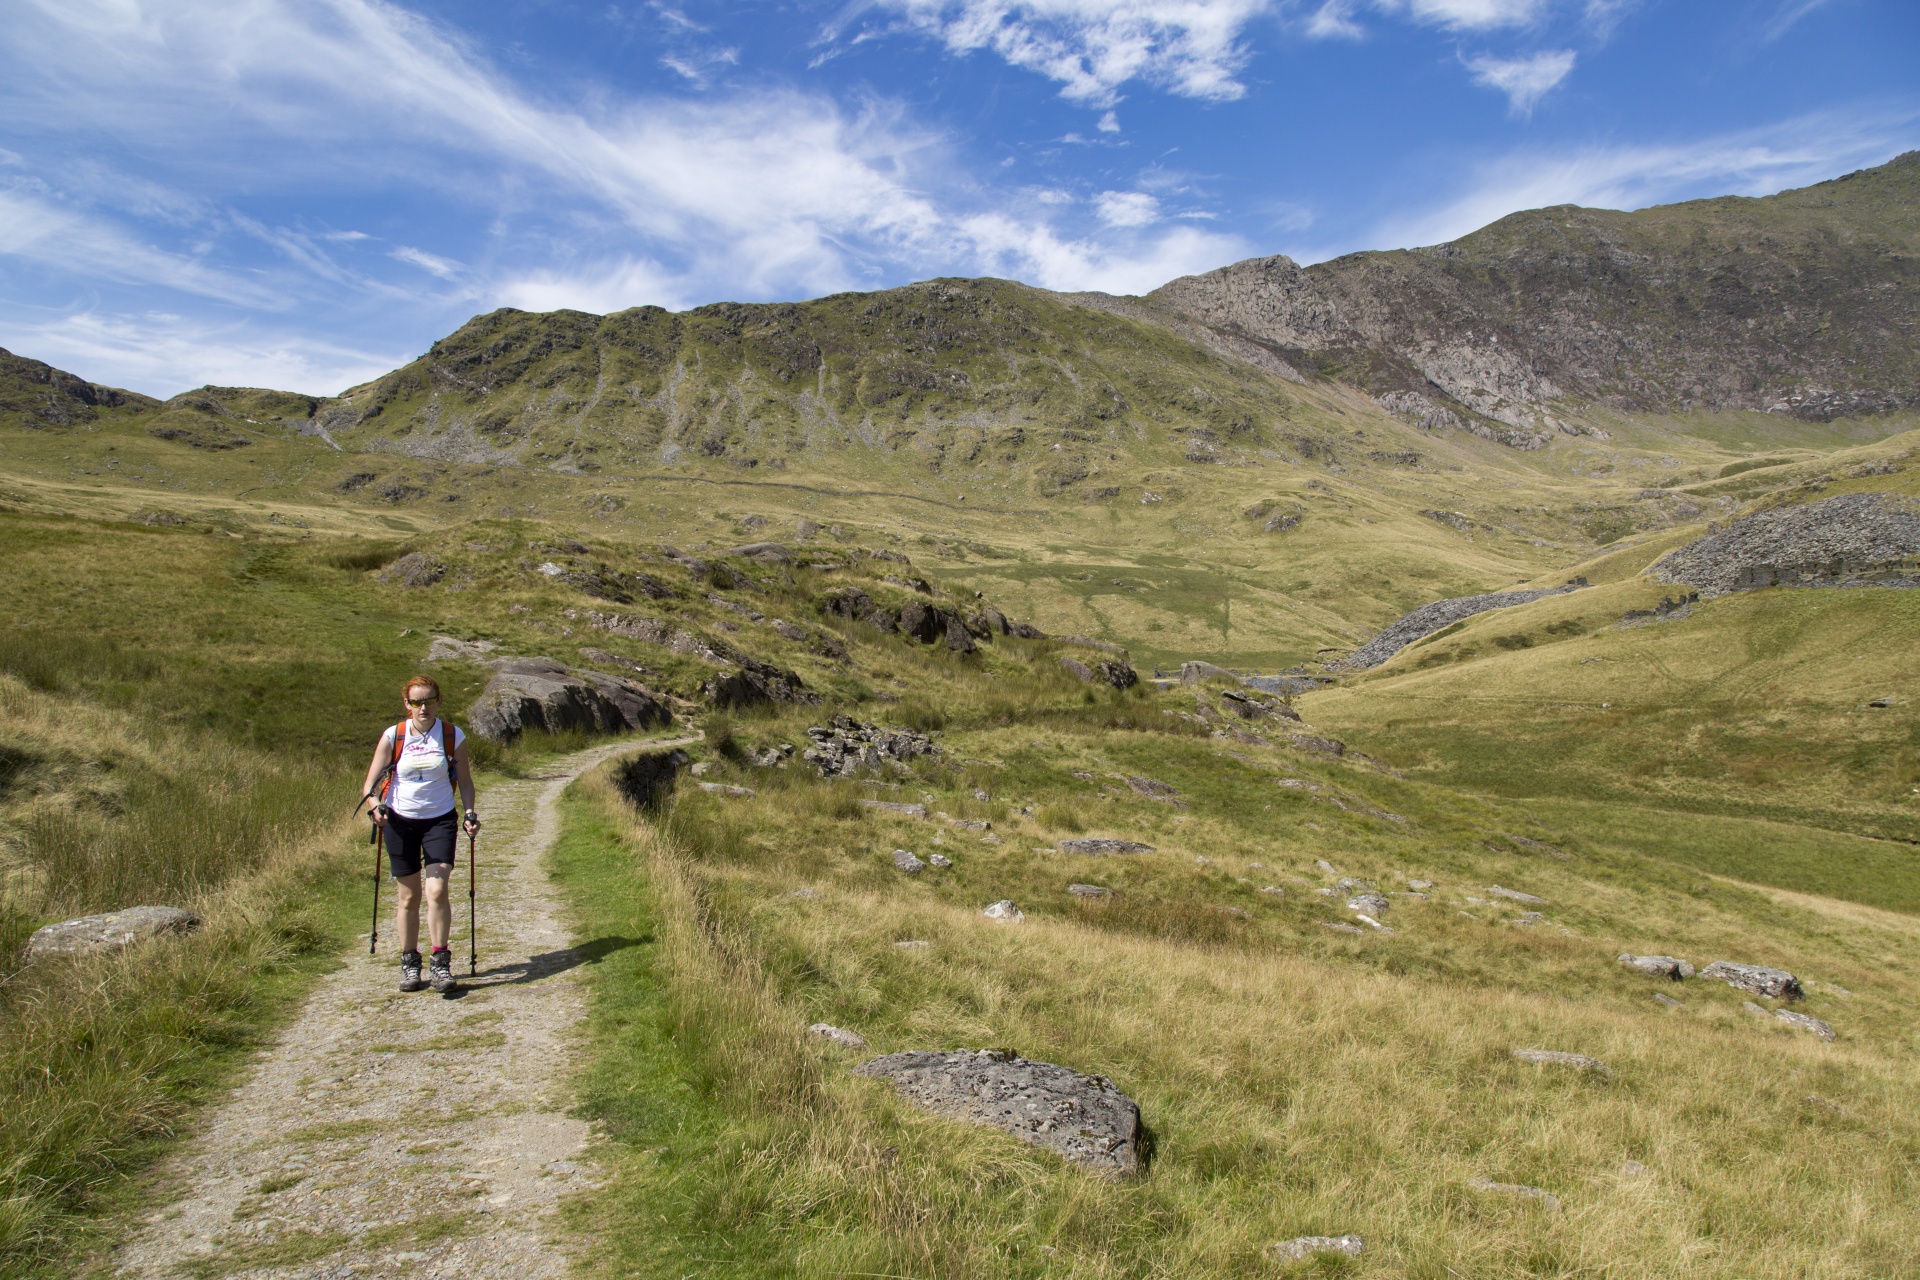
[[412, 841]]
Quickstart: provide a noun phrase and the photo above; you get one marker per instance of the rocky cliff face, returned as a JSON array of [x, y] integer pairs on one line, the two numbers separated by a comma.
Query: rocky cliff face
[[1801, 303]]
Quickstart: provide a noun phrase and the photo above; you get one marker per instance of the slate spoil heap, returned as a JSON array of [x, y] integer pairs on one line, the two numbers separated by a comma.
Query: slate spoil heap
[[1855, 539], [845, 746], [1084, 1119]]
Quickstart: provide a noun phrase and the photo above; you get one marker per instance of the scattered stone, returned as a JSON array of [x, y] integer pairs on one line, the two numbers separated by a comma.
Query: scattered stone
[[731, 792], [1803, 1022], [1371, 923], [1546, 1198], [1300, 1248], [1827, 1104], [765, 552], [110, 932], [1430, 618], [1340, 926], [1153, 789], [1668, 1000], [1841, 541], [1323, 865], [907, 862], [1004, 912], [1514, 895], [1089, 891], [701, 767], [1633, 1169], [1077, 669], [1776, 984], [1881, 704], [969, 824], [892, 806], [450, 649], [1202, 860], [1658, 966], [940, 860], [1314, 742], [1420, 886], [1372, 903], [1529, 919], [989, 838], [1196, 672], [846, 746], [804, 893], [1555, 1058], [1273, 889], [1084, 1119], [838, 1035], [1100, 846]]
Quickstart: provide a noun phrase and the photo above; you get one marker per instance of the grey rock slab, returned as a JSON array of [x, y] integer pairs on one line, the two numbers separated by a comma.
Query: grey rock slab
[[1340, 926], [892, 806], [1804, 1022], [725, 789], [110, 932], [1300, 1248], [1372, 904], [1322, 865], [1776, 984], [1100, 846], [907, 862], [838, 1035], [1084, 1119], [1089, 891], [1658, 966], [1004, 912], [1556, 1058], [1668, 1000], [1546, 1198], [1514, 895], [939, 860]]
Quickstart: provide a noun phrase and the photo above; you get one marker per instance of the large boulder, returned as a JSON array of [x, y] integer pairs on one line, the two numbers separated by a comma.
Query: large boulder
[[1776, 984], [1084, 1119], [1658, 966], [539, 693], [111, 932]]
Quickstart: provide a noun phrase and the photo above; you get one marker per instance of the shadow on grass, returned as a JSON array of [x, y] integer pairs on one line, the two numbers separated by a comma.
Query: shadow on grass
[[550, 964]]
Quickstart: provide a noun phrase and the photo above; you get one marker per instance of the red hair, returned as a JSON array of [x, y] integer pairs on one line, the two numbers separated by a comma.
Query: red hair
[[420, 682]]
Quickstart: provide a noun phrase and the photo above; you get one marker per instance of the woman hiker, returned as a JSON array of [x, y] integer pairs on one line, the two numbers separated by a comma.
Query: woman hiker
[[417, 809]]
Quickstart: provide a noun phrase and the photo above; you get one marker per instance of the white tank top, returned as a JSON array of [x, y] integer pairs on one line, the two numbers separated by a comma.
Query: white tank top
[[421, 787]]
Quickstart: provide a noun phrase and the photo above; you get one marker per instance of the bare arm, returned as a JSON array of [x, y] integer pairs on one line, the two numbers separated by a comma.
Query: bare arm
[[382, 757], [465, 779]]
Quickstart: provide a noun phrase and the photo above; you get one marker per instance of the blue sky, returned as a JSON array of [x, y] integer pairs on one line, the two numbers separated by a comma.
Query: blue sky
[[306, 193]]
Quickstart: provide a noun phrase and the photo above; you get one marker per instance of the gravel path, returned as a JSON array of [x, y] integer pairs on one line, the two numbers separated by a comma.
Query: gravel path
[[406, 1135]]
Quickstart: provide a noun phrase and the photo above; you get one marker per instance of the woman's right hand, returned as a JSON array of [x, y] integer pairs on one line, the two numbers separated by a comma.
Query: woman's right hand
[[379, 813]]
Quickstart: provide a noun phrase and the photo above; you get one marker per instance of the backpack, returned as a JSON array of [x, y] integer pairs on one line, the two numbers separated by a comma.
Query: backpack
[[399, 745]]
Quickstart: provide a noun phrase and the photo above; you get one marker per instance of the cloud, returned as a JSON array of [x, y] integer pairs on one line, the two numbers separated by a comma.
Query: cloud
[[1093, 47], [1473, 15], [1127, 208], [1012, 247], [52, 235], [1784, 18], [1755, 162], [1524, 80], [432, 263], [163, 354]]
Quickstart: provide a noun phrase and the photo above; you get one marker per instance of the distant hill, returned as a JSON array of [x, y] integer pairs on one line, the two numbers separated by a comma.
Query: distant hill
[[1802, 303]]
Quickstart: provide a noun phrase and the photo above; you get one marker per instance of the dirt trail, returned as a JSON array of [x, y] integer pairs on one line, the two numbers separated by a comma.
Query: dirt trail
[[405, 1135]]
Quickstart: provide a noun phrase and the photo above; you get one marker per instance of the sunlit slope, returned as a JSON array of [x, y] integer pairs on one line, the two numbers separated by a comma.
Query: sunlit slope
[[1753, 703]]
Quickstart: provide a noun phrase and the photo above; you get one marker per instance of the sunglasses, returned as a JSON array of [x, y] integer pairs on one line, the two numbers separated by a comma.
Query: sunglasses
[[421, 702]]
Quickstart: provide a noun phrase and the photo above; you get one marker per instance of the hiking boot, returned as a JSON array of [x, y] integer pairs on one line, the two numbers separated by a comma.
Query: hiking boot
[[440, 971], [410, 979]]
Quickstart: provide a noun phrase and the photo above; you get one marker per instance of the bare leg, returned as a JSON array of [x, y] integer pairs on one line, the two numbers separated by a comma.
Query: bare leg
[[406, 913], [439, 907]]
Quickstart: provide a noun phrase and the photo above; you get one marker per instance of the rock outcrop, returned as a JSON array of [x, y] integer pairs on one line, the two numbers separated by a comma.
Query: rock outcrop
[[539, 693], [113, 931], [1101, 846], [1658, 966], [1300, 1248], [845, 746], [1556, 1058], [1084, 1119]]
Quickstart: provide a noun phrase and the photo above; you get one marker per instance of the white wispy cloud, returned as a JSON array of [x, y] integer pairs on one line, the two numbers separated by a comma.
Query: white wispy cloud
[[601, 205], [1092, 47], [163, 354], [1471, 15], [1524, 80], [1754, 162], [1127, 208], [40, 229]]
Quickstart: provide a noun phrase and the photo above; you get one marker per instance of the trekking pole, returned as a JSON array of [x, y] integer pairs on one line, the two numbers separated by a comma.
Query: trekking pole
[[379, 844], [473, 927]]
